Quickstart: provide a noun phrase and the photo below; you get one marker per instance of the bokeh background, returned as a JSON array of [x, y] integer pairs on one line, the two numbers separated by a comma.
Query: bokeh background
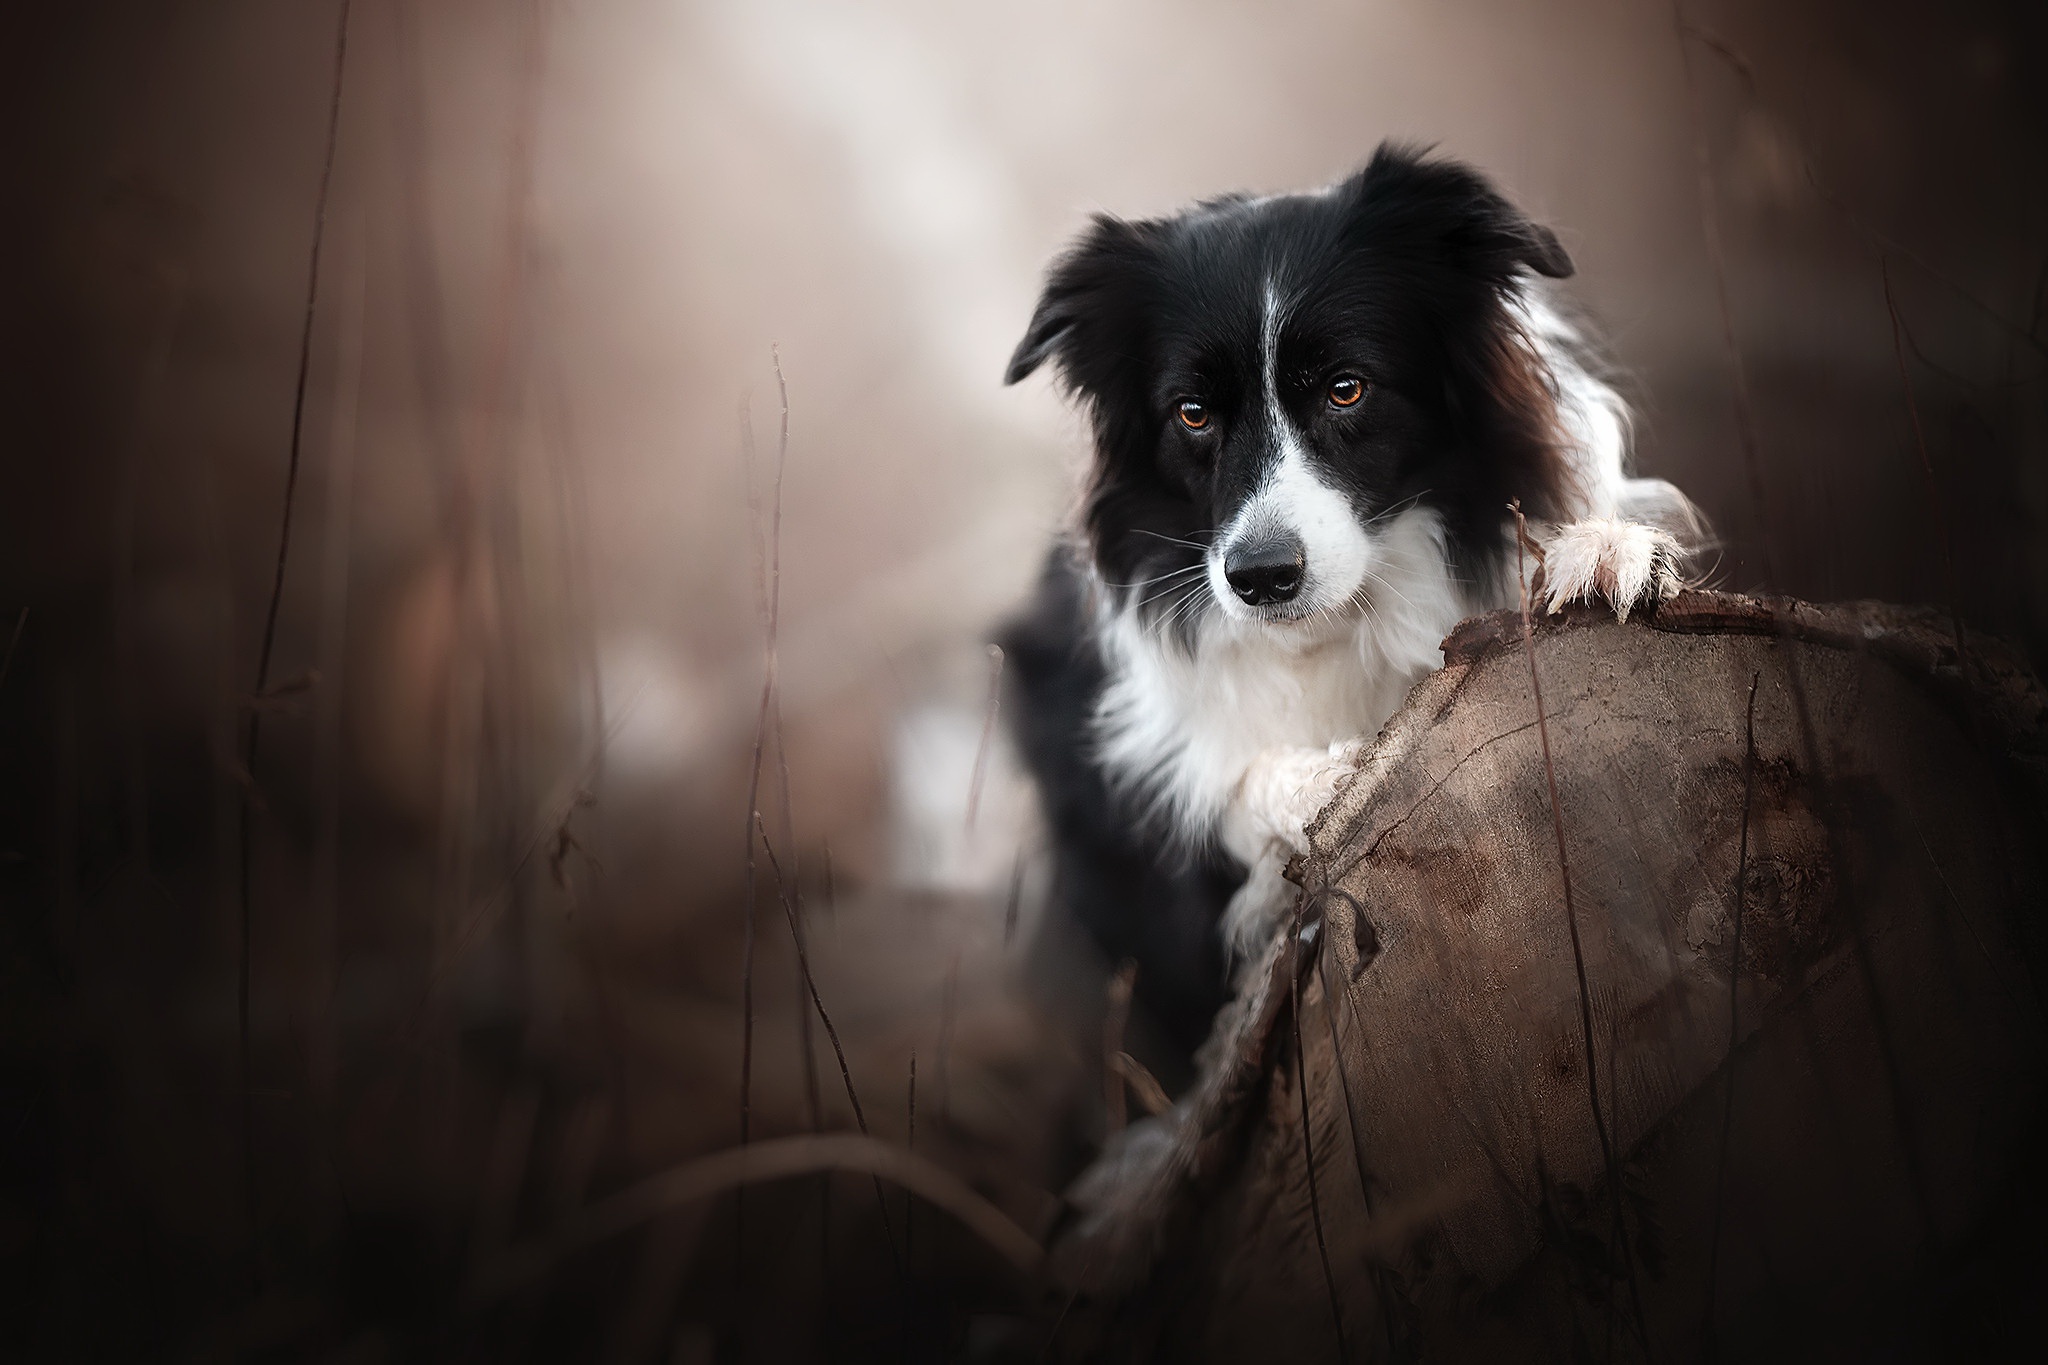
[[487, 879]]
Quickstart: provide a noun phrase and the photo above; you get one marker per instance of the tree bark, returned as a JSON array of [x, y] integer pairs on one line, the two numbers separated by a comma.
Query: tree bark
[[1766, 1076]]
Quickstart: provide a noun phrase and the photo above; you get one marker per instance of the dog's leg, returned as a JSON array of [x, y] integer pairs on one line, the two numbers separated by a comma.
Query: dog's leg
[[1628, 564], [1281, 794], [1276, 800], [1256, 906], [1140, 1194]]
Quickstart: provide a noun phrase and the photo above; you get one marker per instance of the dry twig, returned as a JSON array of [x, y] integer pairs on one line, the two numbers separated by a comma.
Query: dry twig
[[253, 734], [1734, 982], [1308, 1148], [803, 958], [774, 1159], [1571, 917]]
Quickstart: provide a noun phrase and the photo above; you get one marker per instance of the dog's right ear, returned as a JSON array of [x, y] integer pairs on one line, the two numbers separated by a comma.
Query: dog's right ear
[[1081, 310], [1448, 212]]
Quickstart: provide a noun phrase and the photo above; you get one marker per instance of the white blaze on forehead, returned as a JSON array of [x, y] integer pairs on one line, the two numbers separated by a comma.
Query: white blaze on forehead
[[1269, 365], [1292, 498]]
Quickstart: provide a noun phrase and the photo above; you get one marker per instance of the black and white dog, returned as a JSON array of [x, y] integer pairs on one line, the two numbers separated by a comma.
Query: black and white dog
[[1310, 414]]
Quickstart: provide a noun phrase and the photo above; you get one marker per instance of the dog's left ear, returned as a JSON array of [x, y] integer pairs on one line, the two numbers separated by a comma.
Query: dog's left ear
[[1451, 212], [1540, 250], [1080, 312]]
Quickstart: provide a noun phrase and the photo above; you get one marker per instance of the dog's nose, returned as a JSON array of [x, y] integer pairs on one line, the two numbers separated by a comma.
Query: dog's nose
[[1265, 571]]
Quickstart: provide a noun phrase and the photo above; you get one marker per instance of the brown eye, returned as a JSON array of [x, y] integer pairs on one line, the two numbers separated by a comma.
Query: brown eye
[[1193, 415], [1347, 390]]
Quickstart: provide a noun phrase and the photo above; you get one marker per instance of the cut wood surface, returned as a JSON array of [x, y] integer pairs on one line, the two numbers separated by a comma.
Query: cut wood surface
[[1779, 1094]]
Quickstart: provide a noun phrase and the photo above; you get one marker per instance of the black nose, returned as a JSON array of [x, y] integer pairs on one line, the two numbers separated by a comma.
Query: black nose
[[1265, 571]]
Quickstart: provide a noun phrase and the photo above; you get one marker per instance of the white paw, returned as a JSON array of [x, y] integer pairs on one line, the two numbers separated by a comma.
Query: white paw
[[1626, 563], [1281, 794]]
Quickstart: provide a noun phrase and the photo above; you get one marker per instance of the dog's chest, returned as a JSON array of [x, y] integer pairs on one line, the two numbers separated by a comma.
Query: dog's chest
[[1245, 700], [1183, 727]]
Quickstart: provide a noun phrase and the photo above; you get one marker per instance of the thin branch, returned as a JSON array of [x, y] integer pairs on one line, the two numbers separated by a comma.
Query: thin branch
[[774, 1159], [1710, 229], [1382, 1280], [803, 1015], [1723, 49], [1144, 1086], [1874, 236], [1308, 1149], [1343, 1081], [1734, 981], [1802, 710], [1885, 242], [1571, 918], [747, 949], [263, 657], [747, 903], [325, 787], [860, 1117], [771, 609]]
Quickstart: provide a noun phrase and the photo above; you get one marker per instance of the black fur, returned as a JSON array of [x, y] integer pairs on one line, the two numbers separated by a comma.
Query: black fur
[[1398, 276], [1133, 896]]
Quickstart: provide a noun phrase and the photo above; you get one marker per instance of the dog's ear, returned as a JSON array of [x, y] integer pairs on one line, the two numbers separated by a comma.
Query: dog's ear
[[1085, 300], [1451, 212]]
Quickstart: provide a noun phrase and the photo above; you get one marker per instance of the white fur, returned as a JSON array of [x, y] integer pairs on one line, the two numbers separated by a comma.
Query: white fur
[[1242, 737], [1337, 552], [1594, 420], [1179, 727], [1624, 562]]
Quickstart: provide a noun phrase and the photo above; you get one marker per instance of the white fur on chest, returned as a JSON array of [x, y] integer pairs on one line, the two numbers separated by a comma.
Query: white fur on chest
[[1176, 728]]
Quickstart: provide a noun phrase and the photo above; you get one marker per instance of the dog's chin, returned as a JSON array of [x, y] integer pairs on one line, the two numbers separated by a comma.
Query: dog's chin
[[1308, 620]]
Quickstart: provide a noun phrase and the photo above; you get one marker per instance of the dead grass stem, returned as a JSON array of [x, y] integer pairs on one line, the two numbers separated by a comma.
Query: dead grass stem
[[253, 731]]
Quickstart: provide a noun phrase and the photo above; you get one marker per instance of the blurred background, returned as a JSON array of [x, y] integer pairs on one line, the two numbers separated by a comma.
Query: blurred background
[[341, 953]]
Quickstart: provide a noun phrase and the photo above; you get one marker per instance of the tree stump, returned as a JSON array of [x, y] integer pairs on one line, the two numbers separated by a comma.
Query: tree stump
[[1763, 1078]]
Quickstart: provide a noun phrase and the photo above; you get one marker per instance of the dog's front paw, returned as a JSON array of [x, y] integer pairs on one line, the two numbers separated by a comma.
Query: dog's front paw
[[1282, 793], [1626, 563]]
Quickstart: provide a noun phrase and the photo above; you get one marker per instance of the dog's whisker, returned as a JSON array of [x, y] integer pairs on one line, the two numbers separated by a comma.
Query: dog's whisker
[[1176, 540], [1162, 577], [1397, 508], [1376, 578], [1417, 578], [1179, 605], [1189, 606], [1166, 592], [1170, 586]]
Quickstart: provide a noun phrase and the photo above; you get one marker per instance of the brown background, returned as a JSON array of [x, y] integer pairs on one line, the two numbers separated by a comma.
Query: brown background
[[562, 237]]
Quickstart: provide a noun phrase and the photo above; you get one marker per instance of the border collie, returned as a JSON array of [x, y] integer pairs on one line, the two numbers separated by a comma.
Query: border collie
[[1310, 414]]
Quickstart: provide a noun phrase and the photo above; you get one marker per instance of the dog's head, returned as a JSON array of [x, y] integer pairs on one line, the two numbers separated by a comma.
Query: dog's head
[[1272, 380]]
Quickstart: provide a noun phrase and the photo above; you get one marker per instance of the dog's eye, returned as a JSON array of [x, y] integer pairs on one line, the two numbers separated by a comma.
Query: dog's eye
[[1193, 415], [1346, 390]]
